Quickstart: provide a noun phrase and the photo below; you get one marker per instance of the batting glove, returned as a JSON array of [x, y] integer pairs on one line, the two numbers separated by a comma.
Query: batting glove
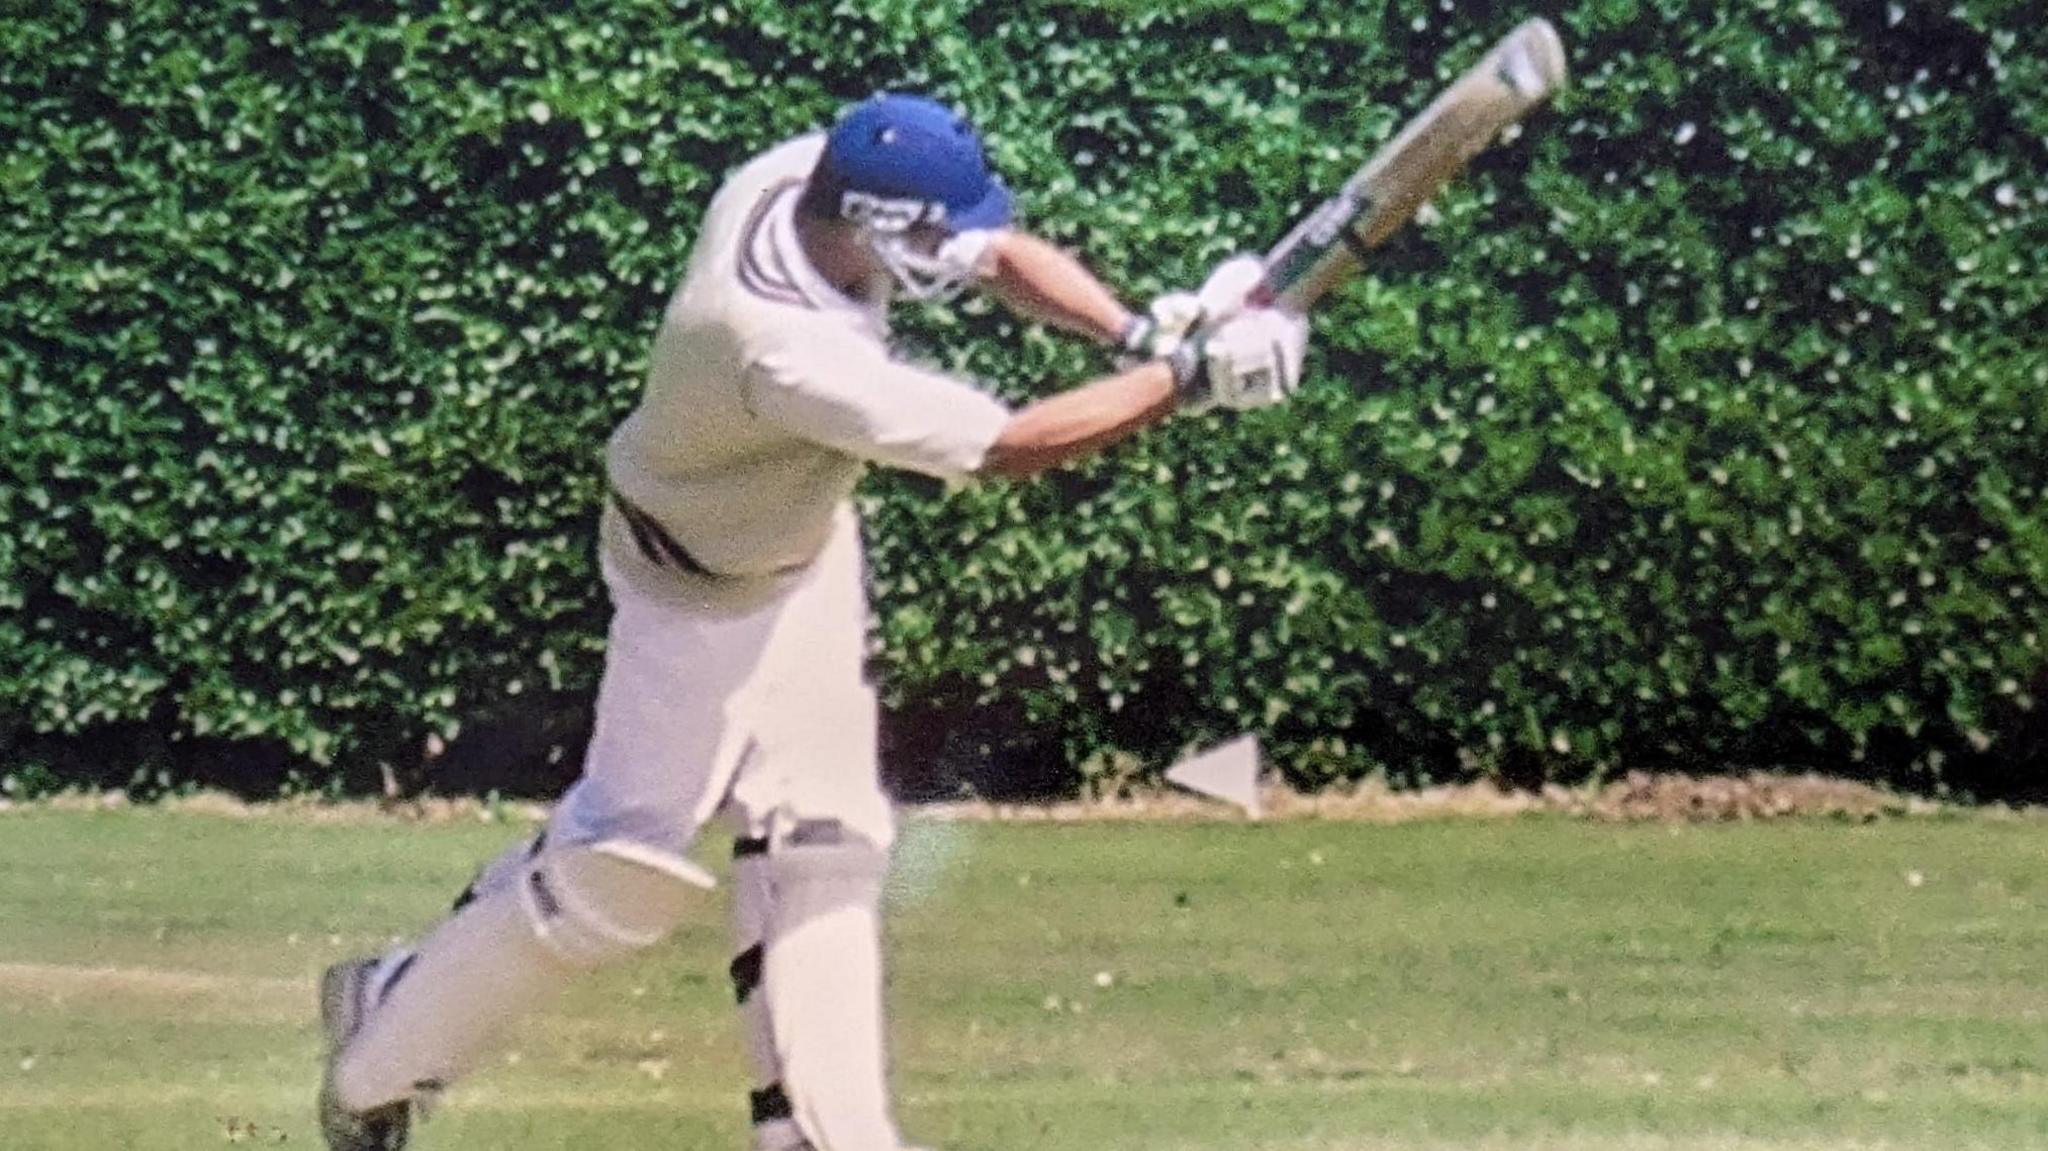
[[1250, 361], [1168, 320]]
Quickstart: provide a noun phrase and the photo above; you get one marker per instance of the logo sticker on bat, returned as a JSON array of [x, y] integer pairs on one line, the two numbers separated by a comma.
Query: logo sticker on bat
[[1521, 71]]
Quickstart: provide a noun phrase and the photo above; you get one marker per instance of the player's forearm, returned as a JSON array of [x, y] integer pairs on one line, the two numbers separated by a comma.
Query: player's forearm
[[1041, 282], [1062, 428]]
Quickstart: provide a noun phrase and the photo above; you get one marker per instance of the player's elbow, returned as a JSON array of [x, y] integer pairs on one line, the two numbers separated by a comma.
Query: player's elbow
[[1012, 461], [1034, 441]]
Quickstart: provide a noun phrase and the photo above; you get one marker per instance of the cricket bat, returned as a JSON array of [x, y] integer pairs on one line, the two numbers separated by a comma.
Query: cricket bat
[[1516, 75]]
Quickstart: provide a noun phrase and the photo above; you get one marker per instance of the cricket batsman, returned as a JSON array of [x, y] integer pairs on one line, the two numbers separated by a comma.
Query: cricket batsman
[[733, 682]]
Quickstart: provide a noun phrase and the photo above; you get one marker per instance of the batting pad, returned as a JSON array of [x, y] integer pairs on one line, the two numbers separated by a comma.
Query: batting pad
[[822, 981], [508, 951]]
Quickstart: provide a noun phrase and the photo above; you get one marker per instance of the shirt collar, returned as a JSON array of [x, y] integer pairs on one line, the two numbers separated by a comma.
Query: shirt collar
[[778, 235]]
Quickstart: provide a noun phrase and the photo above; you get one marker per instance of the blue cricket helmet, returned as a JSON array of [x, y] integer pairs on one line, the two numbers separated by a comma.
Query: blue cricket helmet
[[896, 160]]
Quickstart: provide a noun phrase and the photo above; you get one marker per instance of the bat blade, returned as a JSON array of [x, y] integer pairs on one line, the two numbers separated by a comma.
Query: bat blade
[[1520, 72]]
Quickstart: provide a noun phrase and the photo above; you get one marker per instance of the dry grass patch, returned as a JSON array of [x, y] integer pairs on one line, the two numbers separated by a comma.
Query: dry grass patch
[[1636, 797], [1633, 798]]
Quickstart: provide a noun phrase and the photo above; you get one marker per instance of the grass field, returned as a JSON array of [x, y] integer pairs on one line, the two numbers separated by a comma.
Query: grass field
[[1531, 983]]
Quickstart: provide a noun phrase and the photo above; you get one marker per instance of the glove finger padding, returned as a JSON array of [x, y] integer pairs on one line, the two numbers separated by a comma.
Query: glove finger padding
[[1163, 328], [1223, 294], [1251, 361], [1171, 318]]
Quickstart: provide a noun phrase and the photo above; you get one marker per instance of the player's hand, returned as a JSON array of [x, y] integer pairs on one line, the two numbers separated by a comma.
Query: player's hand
[[1249, 361], [1170, 318]]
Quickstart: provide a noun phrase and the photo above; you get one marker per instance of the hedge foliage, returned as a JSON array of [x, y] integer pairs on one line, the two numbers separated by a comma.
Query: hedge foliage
[[1702, 425]]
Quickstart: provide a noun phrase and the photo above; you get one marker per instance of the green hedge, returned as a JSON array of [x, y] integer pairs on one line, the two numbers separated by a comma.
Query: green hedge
[[1703, 427]]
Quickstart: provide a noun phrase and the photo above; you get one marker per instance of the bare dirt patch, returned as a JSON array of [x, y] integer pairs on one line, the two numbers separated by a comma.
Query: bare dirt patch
[[1636, 797], [424, 809], [57, 983]]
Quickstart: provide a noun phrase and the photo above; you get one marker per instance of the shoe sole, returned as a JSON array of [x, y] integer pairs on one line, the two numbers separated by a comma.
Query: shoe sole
[[341, 1014], [341, 996]]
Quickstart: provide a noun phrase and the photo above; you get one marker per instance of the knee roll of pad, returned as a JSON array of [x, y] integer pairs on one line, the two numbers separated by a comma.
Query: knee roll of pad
[[593, 902], [825, 854]]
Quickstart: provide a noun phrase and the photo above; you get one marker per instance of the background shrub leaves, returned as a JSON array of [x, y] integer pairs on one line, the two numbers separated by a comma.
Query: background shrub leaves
[[1701, 427]]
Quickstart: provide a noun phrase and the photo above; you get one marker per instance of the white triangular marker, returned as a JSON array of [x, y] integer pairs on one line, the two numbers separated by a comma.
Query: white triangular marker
[[1229, 772]]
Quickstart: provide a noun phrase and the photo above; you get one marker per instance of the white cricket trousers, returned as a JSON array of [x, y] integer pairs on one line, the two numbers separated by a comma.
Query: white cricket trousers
[[765, 713]]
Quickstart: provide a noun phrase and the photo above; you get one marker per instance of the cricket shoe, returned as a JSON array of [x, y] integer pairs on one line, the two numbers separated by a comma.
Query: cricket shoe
[[344, 1004]]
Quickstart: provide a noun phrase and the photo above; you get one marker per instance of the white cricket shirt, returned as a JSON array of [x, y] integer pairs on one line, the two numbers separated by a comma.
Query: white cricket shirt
[[768, 393]]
